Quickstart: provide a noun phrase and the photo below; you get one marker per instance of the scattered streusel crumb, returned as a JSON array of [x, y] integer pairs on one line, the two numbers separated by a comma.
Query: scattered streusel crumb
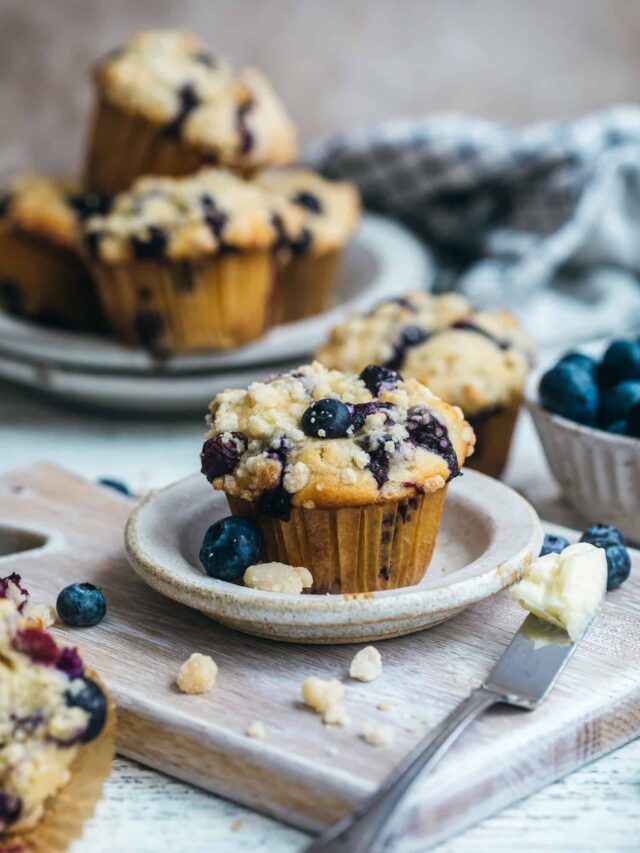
[[366, 665], [39, 615], [326, 698], [376, 735], [236, 826], [256, 729], [384, 705], [336, 715], [278, 577], [197, 674]]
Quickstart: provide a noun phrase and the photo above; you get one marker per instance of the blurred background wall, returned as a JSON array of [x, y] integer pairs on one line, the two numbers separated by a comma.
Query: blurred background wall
[[336, 62]]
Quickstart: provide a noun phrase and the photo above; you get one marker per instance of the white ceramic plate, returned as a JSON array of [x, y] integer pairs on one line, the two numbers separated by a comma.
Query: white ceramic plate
[[383, 260], [487, 537]]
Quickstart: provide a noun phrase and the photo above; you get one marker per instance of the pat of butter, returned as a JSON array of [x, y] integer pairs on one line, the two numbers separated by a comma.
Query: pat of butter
[[565, 589]]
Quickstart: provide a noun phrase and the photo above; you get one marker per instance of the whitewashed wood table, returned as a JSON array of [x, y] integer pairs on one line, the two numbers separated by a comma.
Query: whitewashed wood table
[[597, 808]]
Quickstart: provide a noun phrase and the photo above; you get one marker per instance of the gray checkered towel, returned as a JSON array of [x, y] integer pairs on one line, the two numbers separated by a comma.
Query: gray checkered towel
[[503, 208]]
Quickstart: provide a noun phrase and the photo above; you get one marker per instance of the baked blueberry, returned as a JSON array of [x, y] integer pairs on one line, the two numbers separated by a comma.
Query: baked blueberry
[[621, 361], [552, 544], [221, 454], [92, 700], [116, 485], [10, 810], [308, 200], [410, 336], [598, 534], [378, 379], [570, 391], [81, 605], [276, 503], [617, 401], [633, 421], [361, 411], [152, 245], [229, 547], [580, 360], [91, 204], [326, 418]]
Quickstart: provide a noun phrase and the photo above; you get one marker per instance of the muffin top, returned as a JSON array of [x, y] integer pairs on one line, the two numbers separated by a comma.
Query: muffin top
[[477, 360], [316, 437], [332, 208], [186, 218], [170, 79], [50, 208]]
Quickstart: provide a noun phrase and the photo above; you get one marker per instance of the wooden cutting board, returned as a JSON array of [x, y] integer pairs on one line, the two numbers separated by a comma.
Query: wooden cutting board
[[302, 771]]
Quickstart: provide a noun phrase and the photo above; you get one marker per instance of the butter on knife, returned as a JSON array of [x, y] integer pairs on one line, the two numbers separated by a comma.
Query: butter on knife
[[565, 589]]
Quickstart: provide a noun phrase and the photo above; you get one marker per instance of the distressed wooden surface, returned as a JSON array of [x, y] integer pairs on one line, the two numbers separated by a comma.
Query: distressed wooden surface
[[294, 773]]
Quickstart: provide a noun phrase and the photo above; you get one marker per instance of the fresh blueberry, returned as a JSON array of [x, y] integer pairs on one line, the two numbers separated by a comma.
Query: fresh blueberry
[[602, 534], [229, 547], [572, 392], [221, 454], [378, 379], [621, 361], [633, 421], [10, 810], [116, 485], [617, 401], [92, 700], [618, 565], [617, 427], [579, 359], [552, 544], [81, 605], [326, 418]]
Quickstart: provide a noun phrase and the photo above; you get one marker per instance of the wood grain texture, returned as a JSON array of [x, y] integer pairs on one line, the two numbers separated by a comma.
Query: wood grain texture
[[293, 773]]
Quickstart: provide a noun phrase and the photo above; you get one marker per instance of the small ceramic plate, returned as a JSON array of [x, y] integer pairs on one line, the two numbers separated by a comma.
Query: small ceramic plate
[[383, 260], [487, 537]]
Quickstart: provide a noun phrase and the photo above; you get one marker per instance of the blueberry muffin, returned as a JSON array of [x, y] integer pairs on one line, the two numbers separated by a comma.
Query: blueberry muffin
[[48, 709], [190, 263], [344, 474], [475, 360], [166, 106], [332, 212], [42, 273]]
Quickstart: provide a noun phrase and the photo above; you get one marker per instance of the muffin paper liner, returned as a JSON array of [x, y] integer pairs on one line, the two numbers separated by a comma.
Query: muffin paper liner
[[168, 307], [306, 286], [66, 813], [494, 432], [354, 549], [46, 282]]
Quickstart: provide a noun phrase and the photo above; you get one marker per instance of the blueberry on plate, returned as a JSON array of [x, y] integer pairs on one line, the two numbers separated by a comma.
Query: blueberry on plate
[[552, 544], [116, 485], [570, 391], [229, 547], [81, 605], [579, 359], [616, 402], [91, 699], [602, 534], [620, 361], [633, 421], [378, 378], [326, 419]]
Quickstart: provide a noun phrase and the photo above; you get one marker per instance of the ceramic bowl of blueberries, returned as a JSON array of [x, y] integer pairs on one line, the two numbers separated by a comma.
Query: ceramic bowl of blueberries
[[586, 408]]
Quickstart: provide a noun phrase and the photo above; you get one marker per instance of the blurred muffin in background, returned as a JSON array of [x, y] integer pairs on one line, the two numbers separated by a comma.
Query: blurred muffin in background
[[185, 264], [477, 360], [42, 274], [165, 105], [332, 212]]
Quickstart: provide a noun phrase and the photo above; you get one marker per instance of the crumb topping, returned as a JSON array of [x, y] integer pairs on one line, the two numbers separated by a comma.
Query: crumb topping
[[477, 360], [326, 698], [256, 729], [376, 735], [169, 78], [197, 674], [278, 577], [204, 214], [366, 665], [316, 437], [331, 208]]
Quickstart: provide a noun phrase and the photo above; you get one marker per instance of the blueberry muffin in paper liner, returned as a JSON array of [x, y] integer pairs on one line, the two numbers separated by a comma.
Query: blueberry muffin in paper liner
[[344, 474], [166, 106], [184, 264], [56, 732], [43, 275], [477, 360], [332, 213]]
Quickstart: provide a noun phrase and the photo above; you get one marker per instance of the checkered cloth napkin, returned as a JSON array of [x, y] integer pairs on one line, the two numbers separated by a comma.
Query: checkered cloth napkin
[[504, 209]]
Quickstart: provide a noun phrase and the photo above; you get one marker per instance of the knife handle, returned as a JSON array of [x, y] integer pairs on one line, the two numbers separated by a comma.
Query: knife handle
[[362, 830]]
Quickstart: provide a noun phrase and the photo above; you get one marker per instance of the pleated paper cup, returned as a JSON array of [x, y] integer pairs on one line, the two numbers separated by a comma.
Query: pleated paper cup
[[45, 282], [306, 286], [354, 549], [494, 433], [172, 307], [66, 813]]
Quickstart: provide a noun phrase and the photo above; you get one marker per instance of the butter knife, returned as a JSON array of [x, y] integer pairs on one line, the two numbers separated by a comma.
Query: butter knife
[[522, 678]]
